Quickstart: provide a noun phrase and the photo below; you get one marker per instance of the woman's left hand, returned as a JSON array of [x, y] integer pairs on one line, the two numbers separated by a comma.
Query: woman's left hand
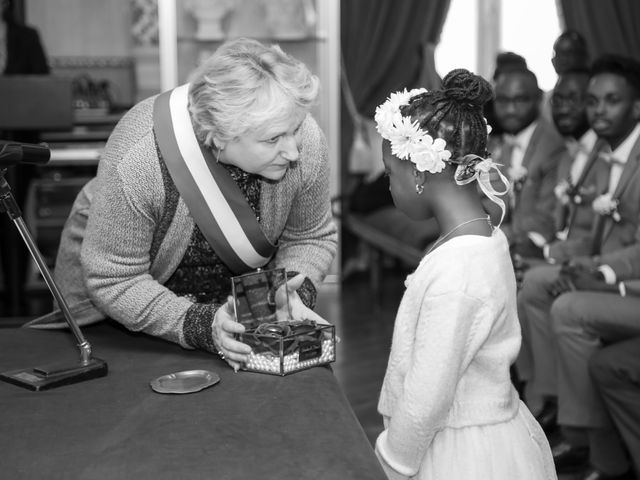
[[296, 310]]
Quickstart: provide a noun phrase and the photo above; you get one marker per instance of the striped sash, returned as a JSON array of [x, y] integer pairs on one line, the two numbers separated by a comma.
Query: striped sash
[[216, 203]]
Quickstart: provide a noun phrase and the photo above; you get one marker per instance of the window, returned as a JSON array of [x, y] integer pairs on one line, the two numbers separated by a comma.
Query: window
[[526, 27]]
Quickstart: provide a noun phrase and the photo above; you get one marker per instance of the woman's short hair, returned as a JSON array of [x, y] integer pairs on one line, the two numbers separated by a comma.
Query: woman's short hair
[[245, 86]]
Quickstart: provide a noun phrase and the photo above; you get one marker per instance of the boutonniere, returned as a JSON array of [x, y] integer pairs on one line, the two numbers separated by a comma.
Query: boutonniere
[[567, 193], [606, 205], [517, 175]]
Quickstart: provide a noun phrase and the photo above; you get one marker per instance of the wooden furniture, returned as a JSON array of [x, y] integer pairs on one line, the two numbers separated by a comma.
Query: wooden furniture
[[249, 425]]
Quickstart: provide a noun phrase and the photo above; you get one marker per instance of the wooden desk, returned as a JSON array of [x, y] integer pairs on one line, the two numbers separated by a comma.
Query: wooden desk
[[247, 426]]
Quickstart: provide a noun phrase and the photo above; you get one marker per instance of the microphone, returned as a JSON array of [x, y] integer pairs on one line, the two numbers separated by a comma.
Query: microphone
[[56, 375], [13, 153]]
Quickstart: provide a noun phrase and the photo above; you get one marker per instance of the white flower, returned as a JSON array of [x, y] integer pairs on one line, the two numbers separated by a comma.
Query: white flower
[[561, 192], [517, 174], [430, 155], [408, 140], [405, 137], [399, 99], [605, 204]]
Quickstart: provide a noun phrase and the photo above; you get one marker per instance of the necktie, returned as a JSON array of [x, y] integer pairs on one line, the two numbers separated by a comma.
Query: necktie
[[509, 144], [574, 147], [596, 244]]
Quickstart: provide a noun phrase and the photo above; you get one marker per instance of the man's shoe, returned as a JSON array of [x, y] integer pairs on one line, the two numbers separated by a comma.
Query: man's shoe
[[594, 474], [569, 458], [548, 417]]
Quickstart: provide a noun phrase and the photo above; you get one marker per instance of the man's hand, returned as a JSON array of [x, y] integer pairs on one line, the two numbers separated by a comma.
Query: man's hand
[[578, 275]]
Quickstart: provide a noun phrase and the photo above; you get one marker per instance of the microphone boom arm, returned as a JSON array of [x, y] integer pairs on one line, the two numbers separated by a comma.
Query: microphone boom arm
[[42, 378]]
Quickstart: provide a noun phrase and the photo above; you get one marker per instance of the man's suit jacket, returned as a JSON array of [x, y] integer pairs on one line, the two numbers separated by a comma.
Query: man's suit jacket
[[578, 218], [620, 243], [535, 202]]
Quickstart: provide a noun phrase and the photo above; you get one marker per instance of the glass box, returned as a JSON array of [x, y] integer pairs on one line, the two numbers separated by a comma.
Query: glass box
[[280, 345]]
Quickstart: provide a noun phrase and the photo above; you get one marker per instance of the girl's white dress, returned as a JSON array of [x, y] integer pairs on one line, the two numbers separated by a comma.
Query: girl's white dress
[[449, 408]]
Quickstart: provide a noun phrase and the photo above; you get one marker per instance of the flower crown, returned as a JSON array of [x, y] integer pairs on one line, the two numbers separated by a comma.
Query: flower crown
[[408, 140]]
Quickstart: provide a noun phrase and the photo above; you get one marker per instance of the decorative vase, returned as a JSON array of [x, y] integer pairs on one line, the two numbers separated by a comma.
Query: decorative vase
[[209, 15], [290, 19]]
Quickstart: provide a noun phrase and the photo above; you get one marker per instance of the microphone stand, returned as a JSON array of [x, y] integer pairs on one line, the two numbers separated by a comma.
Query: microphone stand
[[54, 375]]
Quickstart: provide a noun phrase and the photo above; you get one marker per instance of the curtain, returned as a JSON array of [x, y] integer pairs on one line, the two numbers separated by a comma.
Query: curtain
[[383, 45], [610, 26]]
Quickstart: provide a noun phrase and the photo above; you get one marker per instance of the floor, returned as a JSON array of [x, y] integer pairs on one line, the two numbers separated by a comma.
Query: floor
[[365, 326]]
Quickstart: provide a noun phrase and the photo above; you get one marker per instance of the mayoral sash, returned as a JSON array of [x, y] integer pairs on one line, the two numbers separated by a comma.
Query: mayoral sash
[[216, 203]]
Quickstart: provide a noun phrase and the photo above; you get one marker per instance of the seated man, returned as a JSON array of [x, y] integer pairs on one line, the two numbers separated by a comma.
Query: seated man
[[582, 173], [530, 151], [615, 371], [583, 321], [576, 187], [548, 302]]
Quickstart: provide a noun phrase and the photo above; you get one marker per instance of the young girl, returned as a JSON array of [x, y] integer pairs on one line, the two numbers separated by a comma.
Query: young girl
[[450, 411]]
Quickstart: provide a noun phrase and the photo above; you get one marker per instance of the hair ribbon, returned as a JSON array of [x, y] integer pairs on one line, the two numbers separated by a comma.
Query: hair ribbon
[[482, 174]]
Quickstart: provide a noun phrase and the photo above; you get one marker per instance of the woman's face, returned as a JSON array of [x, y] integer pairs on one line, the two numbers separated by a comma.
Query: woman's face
[[402, 184], [268, 151]]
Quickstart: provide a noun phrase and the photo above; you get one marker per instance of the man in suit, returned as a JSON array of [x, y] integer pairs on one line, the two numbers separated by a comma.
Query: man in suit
[[565, 319], [615, 371], [529, 151], [582, 175]]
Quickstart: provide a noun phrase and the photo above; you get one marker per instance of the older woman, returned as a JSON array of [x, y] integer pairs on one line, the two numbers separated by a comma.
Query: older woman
[[213, 179]]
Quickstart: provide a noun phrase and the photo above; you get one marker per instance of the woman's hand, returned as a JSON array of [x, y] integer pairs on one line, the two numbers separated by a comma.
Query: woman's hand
[[224, 328], [296, 310]]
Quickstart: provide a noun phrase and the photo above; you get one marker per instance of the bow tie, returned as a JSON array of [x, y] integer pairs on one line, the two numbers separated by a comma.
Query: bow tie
[[511, 141], [574, 147], [609, 158]]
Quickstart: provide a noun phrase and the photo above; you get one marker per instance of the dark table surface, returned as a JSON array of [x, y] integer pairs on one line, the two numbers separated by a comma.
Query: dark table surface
[[249, 425]]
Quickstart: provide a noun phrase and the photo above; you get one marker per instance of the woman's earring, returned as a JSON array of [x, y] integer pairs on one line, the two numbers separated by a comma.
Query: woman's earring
[[419, 188], [218, 155]]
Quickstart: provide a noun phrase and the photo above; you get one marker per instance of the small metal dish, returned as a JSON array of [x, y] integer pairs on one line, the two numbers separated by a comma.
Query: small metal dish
[[188, 381]]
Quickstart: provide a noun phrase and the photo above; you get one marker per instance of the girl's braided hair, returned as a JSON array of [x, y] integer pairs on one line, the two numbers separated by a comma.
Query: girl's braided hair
[[455, 113]]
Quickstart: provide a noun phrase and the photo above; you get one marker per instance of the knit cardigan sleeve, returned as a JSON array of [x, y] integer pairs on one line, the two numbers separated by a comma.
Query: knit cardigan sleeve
[[122, 220]]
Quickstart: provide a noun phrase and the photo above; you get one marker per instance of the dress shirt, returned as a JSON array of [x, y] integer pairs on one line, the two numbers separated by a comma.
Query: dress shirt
[[580, 150], [621, 155], [520, 141]]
